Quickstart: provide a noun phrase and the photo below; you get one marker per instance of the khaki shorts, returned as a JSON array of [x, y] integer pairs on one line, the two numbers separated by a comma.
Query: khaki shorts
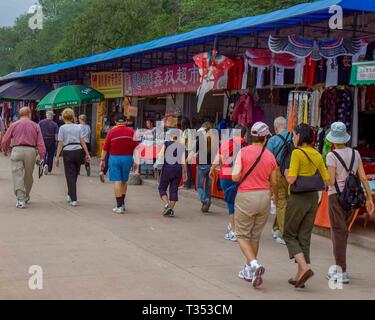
[[252, 212]]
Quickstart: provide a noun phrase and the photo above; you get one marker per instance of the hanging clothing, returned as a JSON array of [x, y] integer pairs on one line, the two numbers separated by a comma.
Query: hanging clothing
[[235, 74], [345, 108], [260, 77], [315, 108], [332, 72], [298, 70], [321, 71], [345, 69], [243, 111], [279, 76], [329, 104], [309, 71]]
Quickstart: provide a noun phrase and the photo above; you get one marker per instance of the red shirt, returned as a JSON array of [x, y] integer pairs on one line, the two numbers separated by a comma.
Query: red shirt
[[24, 133], [228, 152], [120, 141]]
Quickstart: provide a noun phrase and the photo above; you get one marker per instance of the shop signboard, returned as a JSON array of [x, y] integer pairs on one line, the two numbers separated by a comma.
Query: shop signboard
[[182, 78], [132, 111], [363, 73], [111, 84], [366, 73]]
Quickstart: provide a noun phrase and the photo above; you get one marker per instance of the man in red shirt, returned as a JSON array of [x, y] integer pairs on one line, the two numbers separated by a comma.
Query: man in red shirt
[[26, 140], [120, 144]]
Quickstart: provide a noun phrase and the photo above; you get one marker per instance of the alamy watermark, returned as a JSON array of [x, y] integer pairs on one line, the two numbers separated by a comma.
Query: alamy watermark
[[36, 279], [336, 22], [36, 20]]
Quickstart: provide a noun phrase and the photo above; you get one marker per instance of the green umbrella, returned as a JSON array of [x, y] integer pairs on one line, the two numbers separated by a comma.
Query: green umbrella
[[70, 97]]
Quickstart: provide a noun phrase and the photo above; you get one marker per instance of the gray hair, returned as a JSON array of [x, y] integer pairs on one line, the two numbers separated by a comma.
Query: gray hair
[[280, 122]]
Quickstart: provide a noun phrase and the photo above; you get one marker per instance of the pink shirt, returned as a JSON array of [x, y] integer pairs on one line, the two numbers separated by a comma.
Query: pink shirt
[[341, 174], [24, 132], [260, 178]]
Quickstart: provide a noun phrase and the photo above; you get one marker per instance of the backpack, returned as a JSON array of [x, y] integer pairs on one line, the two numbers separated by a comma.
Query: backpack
[[353, 196], [287, 150]]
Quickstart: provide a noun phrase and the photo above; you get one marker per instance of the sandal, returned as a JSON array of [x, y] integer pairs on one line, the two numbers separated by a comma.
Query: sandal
[[306, 276], [293, 283]]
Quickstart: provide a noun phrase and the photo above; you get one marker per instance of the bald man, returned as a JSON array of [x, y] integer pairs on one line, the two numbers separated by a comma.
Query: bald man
[[25, 138]]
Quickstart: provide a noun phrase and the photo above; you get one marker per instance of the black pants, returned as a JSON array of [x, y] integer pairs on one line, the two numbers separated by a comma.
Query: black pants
[[72, 165], [50, 152]]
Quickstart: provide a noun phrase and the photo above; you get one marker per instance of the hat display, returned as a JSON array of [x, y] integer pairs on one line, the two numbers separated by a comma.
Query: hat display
[[260, 129], [338, 133]]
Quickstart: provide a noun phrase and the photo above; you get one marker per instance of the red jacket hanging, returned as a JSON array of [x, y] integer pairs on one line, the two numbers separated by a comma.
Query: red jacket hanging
[[243, 111]]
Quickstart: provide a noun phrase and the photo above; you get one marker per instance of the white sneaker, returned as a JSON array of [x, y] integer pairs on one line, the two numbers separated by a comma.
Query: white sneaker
[[119, 210], [21, 204], [246, 274], [230, 236], [276, 234], [68, 199], [74, 203], [340, 277], [280, 241], [258, 272], [45, 170]]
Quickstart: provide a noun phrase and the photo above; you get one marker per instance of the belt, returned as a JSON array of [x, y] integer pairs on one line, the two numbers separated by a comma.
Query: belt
[[24, 145]]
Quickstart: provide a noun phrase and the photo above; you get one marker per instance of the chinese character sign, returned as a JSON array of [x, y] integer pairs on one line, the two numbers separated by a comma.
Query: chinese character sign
[[184, 78], [108, 83]]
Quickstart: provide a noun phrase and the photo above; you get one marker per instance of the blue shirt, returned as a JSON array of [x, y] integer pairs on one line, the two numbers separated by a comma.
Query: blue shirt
[[275, 144]]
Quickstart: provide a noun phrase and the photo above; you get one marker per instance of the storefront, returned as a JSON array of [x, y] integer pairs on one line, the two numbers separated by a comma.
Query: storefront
[[111, 84]]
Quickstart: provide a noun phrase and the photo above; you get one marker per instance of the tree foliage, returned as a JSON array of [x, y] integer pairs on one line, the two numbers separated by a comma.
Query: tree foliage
[[77, 28]]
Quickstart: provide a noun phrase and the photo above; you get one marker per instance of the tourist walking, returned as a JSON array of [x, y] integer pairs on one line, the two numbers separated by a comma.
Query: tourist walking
[[255, 171], [25, 138], [307, 175], [86, 132], [342, 163], [120, 144], [172, 155], [278, 144], [205, 151], [72, 147], [50, 130], [225, 160]]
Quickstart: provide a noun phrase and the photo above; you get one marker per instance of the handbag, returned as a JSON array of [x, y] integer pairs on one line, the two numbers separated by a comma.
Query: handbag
[[309, 183], [231, 193]]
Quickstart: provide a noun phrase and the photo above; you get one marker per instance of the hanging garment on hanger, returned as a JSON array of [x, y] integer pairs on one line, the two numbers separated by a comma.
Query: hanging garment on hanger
[[235, 74], [298, 70], [245, 74], [345, 108], [260, 77], [321, 71], [301, 107], [345, 69], [291, 114], [332, 73], [243, 111], [305, 99], [362, 53], [279, 76], [315, 108], [309, 71], [329, 104]]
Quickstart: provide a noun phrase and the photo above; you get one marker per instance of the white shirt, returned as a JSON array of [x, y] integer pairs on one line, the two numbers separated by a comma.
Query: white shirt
[[86, 132], [332, 72]]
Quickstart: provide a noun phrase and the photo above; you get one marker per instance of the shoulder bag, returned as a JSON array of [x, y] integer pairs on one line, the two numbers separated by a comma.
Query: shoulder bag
[[308, 183]]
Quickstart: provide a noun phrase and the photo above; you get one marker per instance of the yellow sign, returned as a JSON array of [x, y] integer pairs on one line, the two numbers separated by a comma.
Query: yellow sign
[[111, 84]]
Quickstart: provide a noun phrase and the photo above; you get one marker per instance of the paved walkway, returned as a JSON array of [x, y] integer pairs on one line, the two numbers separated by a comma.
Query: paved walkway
[[89, 253]]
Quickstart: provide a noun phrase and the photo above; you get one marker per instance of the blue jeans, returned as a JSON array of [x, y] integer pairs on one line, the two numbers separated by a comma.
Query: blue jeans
[[225, 184], [204, 182]]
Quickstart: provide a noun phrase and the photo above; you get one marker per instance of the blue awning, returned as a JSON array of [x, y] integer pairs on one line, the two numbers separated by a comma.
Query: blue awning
[[315, 11]]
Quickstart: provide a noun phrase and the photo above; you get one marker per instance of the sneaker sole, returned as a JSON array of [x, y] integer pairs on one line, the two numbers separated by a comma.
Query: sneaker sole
[[258, 281]]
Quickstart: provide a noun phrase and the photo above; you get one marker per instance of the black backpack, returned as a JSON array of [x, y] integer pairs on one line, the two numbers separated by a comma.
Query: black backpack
[[287, 150], [353, 196]]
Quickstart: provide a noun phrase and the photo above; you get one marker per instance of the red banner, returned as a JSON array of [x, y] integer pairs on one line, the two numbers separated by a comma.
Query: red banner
[[182, 78]]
